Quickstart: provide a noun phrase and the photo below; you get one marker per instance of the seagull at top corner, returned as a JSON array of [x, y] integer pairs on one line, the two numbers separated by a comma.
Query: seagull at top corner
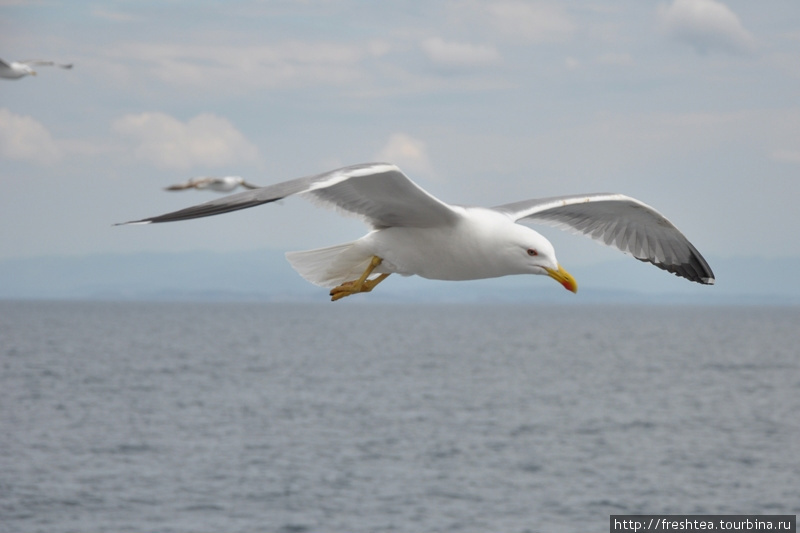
[[414, 233], [18, 69], [223, 184]]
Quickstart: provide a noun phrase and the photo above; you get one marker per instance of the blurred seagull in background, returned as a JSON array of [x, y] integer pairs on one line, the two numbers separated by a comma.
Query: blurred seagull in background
[[414, 233], [18, 69], [223, 184]]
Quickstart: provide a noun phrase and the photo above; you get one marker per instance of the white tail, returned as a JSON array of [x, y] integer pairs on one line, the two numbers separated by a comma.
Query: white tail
[[331, 266]]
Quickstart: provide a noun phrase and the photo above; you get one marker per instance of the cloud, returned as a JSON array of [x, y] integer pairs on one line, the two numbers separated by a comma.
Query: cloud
[[408, 153], [530, 21], [706, 25], [165, 141], [456, 54], [25, 138], [282, 65], [512, 20]]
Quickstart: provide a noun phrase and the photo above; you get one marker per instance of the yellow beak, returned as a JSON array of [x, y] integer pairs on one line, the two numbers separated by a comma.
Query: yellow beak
[[563, 277]]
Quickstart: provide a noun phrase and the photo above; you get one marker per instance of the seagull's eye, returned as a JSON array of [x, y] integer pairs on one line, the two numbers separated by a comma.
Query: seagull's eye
[[532, 252]]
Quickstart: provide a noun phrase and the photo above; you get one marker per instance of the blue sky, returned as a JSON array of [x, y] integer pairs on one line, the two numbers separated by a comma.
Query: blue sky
[[689, 105]]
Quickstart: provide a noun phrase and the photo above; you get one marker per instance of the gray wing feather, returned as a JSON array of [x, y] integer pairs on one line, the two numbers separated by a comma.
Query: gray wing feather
[[378, 192], [45, 63], [622, 222]]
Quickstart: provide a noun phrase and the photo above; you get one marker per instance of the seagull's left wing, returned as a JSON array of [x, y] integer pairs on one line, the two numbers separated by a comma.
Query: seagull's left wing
[[622, 222], [377, 192], [182, 186], [44, 63]]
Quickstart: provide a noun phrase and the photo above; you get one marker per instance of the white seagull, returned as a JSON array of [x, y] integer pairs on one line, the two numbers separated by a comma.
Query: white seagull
[[18, 69], [223, 184], [415, 233]]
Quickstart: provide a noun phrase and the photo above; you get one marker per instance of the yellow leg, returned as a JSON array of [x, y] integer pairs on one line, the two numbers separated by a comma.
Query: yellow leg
[[362, 284]]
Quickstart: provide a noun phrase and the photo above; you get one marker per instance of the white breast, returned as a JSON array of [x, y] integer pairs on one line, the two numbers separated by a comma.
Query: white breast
[[474, 248]]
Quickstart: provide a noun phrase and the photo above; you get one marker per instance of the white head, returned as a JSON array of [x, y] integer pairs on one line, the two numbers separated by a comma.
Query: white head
[[532, 253]]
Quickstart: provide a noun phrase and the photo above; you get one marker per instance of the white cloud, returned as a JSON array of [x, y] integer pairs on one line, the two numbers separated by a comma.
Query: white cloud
[[286, 64], [206, 140], [450, 53], [706, 25], [23, 137], [408, 153], [531, 21]]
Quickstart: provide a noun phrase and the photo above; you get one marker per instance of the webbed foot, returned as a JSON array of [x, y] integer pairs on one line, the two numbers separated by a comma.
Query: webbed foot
[[362, 284]]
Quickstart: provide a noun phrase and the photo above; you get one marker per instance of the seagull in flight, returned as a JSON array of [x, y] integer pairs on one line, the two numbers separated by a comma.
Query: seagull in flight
[[223, 184], [414, 233], [18, 69]]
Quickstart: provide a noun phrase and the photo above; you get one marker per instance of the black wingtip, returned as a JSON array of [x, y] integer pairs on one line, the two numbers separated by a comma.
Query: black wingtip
[[696, 269], [133, 222]]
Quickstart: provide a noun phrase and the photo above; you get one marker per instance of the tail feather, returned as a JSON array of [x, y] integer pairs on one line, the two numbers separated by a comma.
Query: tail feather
[[331, 266]]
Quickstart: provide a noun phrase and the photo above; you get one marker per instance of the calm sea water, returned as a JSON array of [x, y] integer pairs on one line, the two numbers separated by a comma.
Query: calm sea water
[[368, 418]]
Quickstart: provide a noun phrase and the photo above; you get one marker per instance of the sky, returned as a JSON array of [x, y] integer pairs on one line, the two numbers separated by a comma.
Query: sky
[[692, 106]]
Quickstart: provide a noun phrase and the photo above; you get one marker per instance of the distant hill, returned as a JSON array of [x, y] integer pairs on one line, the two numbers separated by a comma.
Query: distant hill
[[264, 275]]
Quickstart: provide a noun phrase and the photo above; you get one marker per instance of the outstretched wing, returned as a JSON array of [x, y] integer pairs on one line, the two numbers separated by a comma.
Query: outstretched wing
[[377, 192], [45, 63], [190, 184], [622, 222]]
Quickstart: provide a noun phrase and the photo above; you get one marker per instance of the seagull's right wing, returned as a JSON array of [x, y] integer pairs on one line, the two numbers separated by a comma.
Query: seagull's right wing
[[377, 192], [621, 222]]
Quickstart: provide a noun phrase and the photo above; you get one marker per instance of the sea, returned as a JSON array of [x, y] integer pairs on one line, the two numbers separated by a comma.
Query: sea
[[358, 417]]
